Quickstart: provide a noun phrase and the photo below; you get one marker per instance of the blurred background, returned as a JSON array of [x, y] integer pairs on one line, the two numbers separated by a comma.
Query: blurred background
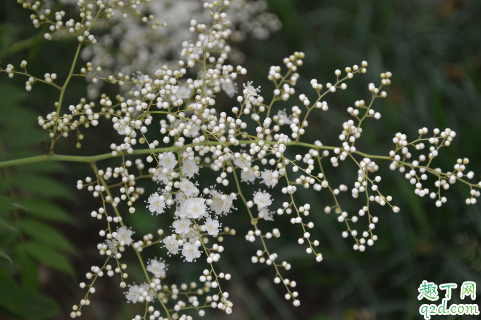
[[433, 49]]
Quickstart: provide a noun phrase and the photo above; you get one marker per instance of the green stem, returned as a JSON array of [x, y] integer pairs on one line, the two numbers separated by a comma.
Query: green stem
[[62, 93], [93, 159]]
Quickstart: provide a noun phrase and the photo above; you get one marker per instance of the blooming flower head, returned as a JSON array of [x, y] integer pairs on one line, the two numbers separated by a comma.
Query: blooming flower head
[[262, 199], [188, 188], [284, 118], [190, 251], [124, 236], [221, 203], [133, 294], [193, 208], [183, 93], [162, 177], [157, 268], [265, 214], [248, 175], [191, 130], [212, 226], [171, 244], [167, 160], [270, 178], [156, 203], [249, 90], [229, 86], [182, 226], [242, 163], [122, 126], [190, 168]]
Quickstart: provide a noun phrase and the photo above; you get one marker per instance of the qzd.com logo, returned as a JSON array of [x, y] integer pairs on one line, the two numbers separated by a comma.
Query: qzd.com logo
[[429, 290]]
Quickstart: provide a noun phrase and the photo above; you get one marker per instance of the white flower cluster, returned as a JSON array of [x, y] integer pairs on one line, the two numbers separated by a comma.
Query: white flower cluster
[[143, 48], [246, 144]]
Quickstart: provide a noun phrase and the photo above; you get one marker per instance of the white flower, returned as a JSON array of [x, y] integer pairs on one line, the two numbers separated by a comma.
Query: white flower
[[171, 244], [212, 226], [167, 160], [221, 203], [156, 203], [183, 93], [145, 287], [182, 226], [133, 294], [262, 199], [270, 178], [188, 188], [283, 118], [190, 168], [242, 163], [190, 251], [157, 267], [194, 208], [159, 176], [122, 126], [265, 214], [249, 90], [191, 130], [248, 175], [124, 235], [229, 86], [136, 293]]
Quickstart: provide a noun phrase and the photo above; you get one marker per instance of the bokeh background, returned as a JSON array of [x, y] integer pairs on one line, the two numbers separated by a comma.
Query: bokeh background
[[433, 49]]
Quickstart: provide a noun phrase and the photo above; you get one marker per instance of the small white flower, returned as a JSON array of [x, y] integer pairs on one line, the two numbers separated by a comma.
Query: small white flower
[[167, 160], [133, 294], [156, 203], [192, 130], [188, 188], [229, 87], [265, 214], [190, 168], [283, 118], [164, 178], [183, 93], [182, 226], [171, 244], [262, 199], [242, 163], [248, 176], [212, 226], [124, 234], [190, 251], [157, 267], [146, 288], [270, 178], [249, 90], [122, 126], [194, 208], [221, 203]]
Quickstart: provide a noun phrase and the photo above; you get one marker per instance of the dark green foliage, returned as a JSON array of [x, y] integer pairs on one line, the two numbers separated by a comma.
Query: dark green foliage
[[28, 238]]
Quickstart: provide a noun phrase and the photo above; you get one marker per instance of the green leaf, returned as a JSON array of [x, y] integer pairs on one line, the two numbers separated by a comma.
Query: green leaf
[[5, 225], [29, 272], [4, 255], [45, 234], [7, 203], [41, 186], [48, 257], [46, 210], [38, 306], [22, 302], [11, 295]]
